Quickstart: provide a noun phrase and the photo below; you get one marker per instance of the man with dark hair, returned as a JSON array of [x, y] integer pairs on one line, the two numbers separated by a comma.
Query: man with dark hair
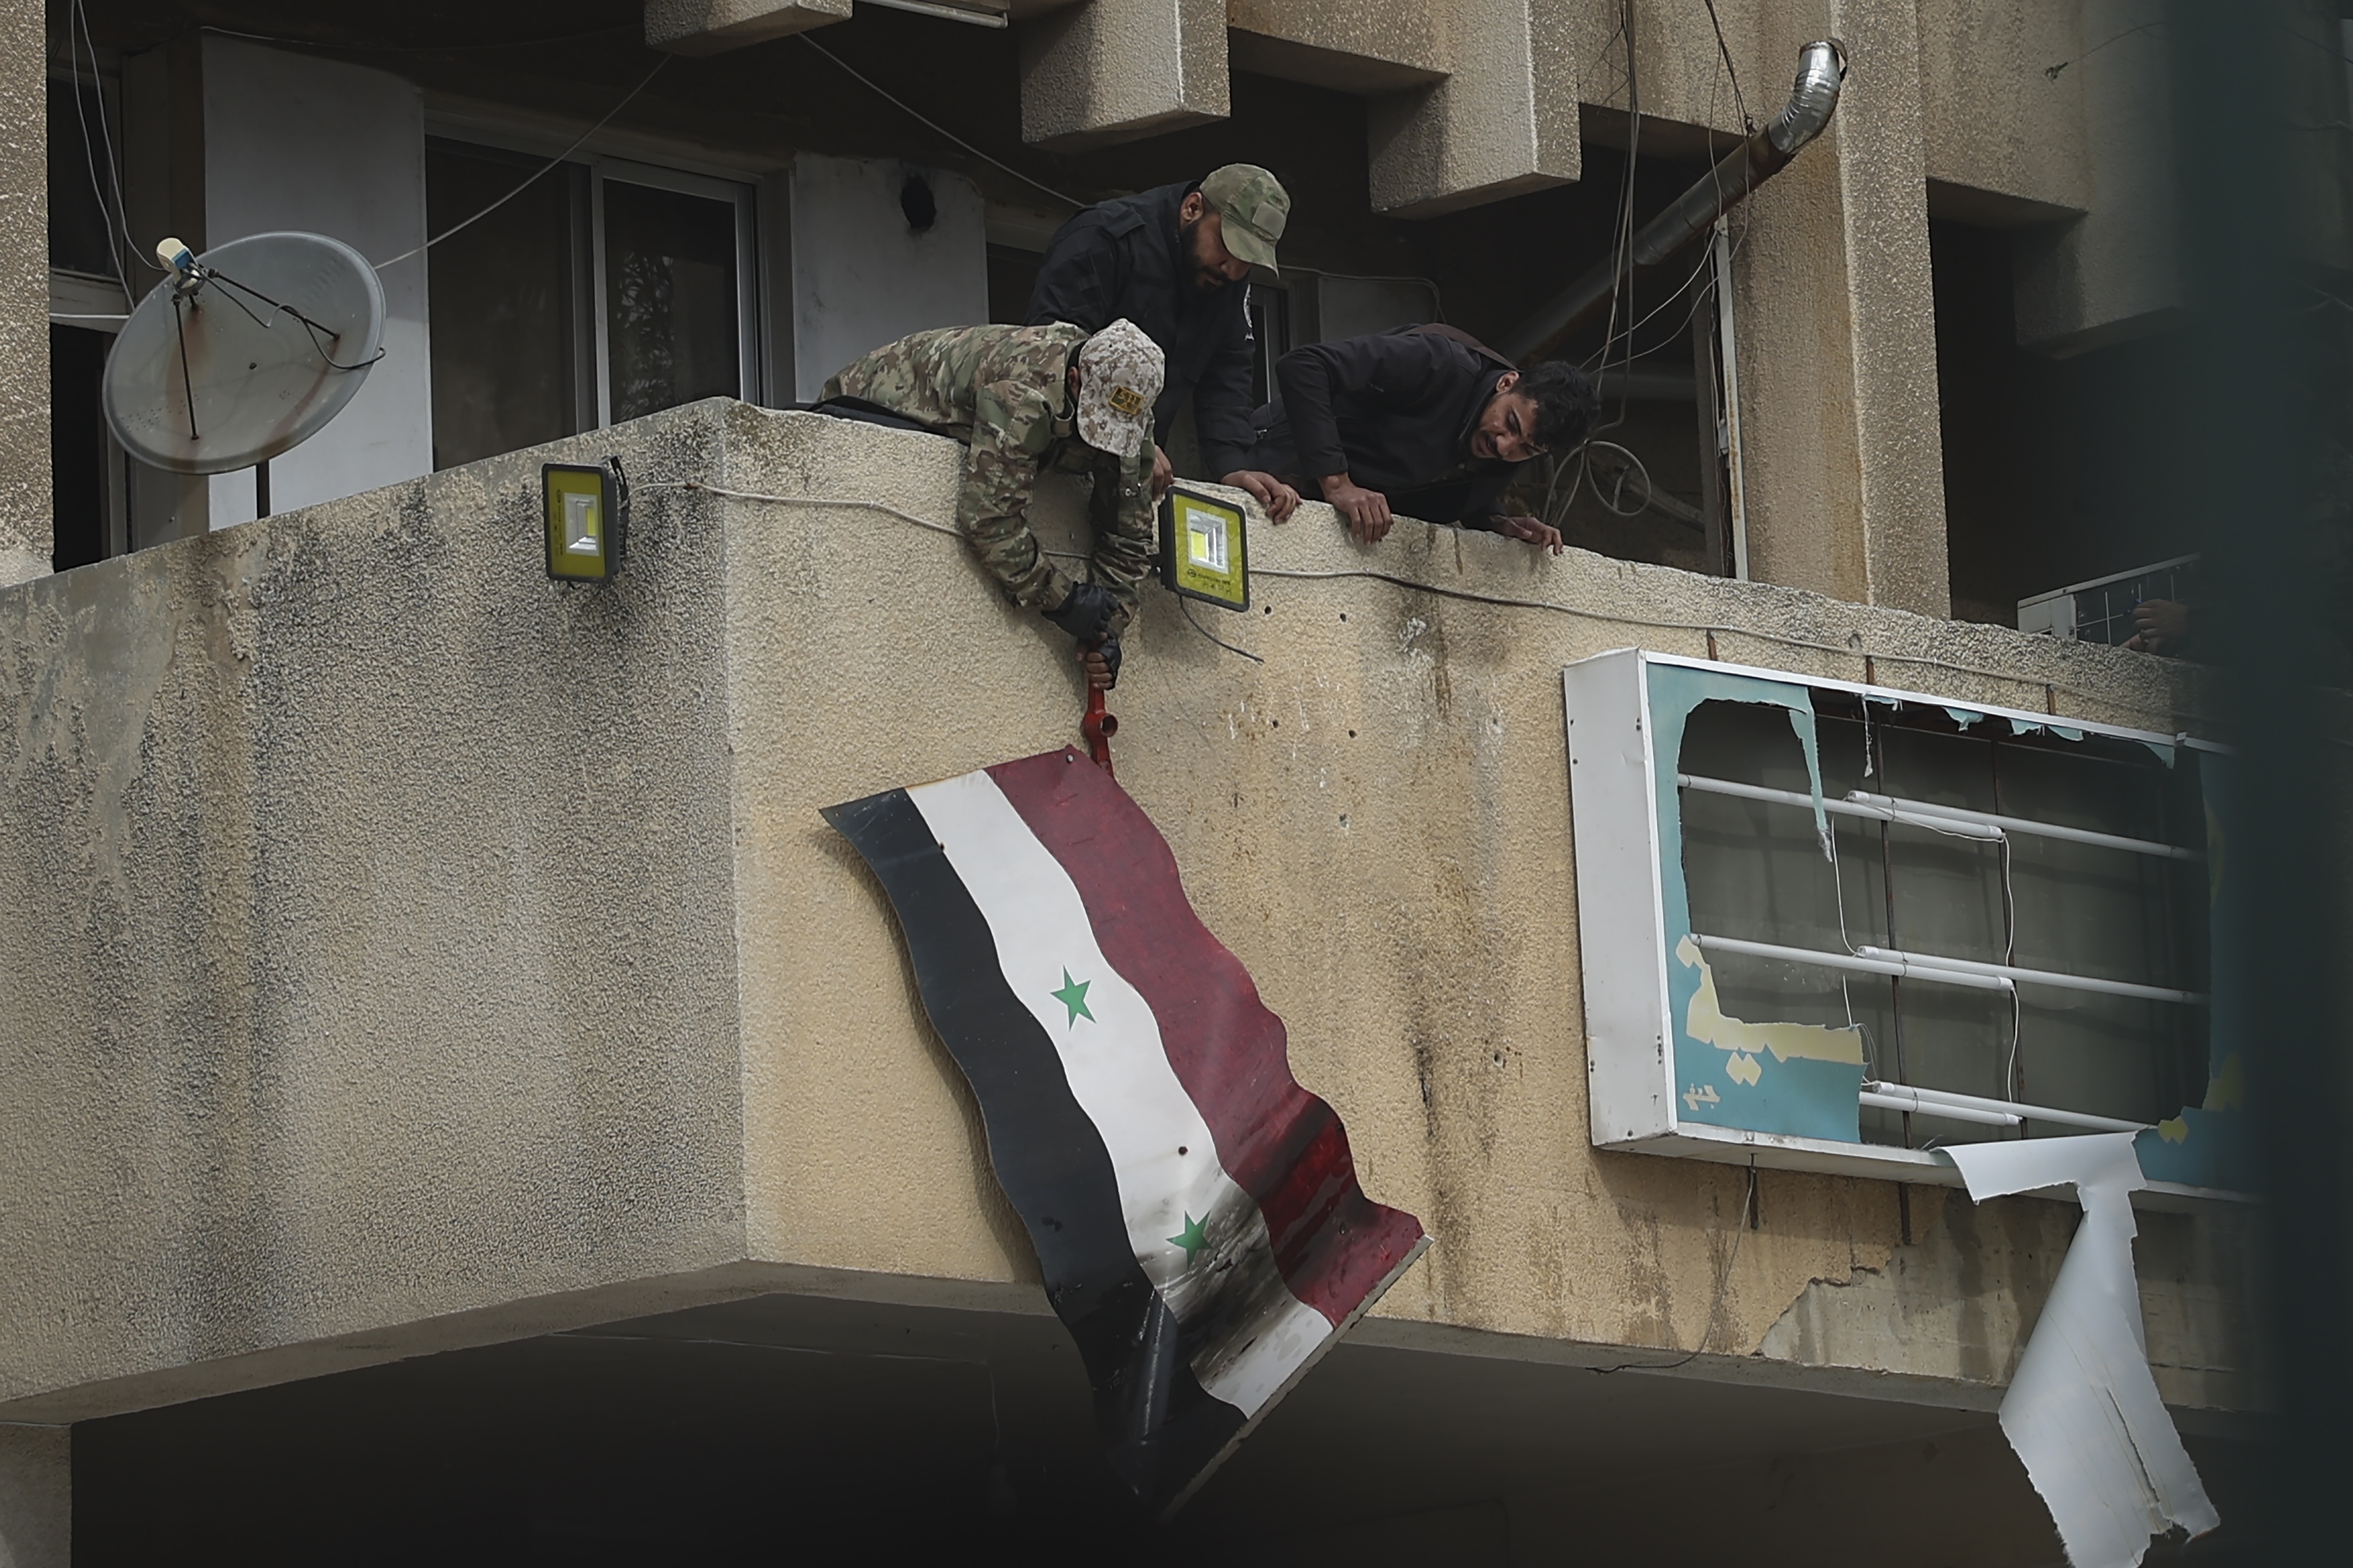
[[1427, 421], [1173, 260]]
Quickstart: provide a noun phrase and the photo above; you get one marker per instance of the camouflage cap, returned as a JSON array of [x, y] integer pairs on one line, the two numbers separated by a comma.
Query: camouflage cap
[[1254, 207], [1121, 374]]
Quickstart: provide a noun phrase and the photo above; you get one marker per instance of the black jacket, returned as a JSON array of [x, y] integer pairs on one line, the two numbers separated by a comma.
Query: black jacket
[[1395, 412], [1127, 259]]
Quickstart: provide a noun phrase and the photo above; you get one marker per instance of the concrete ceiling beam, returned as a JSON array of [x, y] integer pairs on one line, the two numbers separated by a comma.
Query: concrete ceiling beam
[[1113, 70], [1360, 48], [1504, 121], [1470, 101], [715, 26]]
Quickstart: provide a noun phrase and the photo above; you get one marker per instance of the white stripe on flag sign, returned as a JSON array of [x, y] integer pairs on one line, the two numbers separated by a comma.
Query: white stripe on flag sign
[[1172, 1188]]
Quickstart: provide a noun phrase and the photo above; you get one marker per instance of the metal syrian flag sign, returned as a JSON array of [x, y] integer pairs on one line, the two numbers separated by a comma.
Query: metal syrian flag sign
[[1196, 1212]]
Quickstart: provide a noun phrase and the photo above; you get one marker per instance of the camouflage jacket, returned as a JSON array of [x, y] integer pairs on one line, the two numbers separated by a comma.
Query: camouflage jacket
[[1001, 390]]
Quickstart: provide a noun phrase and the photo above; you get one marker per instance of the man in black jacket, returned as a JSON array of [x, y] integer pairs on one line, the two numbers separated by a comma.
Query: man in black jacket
[[1425, 420], [1173, 261]]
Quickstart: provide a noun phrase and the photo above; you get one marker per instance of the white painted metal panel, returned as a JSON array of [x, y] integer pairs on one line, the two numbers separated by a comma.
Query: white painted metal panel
[[862, 276], [1629, 1084], [295, 141]]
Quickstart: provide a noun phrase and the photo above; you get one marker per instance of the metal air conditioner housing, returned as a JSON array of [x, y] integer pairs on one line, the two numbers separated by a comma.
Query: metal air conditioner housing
[[2053, 974]]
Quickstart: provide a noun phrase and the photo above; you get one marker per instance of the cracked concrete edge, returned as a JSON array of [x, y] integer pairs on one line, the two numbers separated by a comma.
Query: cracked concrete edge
[[528, 1318]]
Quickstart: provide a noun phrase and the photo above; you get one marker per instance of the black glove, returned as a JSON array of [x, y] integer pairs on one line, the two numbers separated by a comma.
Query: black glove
[[1087, 614], [1109, 648]]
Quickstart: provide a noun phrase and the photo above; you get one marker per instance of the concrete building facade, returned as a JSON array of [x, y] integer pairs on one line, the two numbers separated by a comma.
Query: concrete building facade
[[462, 1101]]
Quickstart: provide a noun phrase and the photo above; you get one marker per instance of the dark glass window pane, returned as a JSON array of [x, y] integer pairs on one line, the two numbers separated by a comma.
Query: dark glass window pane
[[1012, 274], [505, 326], [76, 446], [1756, 871], [78, 241], [669, 268]]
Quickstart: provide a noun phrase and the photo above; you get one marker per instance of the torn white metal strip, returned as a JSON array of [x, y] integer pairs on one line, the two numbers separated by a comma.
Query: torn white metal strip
[[2083, 1411]]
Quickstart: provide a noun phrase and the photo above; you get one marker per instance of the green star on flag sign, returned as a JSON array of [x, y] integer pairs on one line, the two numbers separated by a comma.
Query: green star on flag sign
[[1192, 1238], [1073, 995], [1196, 1213]]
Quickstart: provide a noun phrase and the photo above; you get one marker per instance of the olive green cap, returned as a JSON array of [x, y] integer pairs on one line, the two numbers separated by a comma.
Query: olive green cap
[[1254, 208]]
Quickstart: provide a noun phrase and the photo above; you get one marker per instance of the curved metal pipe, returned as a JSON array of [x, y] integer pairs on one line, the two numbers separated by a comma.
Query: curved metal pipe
[[1822, 70]]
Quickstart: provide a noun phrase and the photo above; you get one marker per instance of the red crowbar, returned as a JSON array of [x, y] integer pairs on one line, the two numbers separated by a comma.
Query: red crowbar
[[1098, 727]]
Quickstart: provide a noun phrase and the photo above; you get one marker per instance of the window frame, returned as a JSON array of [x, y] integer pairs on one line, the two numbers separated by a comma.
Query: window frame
[[745, 199], [633, 160]]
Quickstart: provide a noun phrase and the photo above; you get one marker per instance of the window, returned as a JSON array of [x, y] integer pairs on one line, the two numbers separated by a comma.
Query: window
[[673, 297], [79, 229], [603, 291], [89, 474], [1835, 927]]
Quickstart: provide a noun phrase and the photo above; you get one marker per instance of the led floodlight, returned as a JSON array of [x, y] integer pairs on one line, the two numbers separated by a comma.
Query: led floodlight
[[1204, 548], [586, 510]]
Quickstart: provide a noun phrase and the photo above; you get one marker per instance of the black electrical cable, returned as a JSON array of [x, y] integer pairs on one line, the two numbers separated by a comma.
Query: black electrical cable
[[1187, 607], [1714, 1306], [2053, 71], [538, 175], [934, 125], [117, 236], [369, 45], [309, 326], [1621, 273], [1724, 51]]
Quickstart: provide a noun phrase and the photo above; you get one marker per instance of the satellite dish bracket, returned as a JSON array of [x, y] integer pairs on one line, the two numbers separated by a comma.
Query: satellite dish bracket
[[194, 388]]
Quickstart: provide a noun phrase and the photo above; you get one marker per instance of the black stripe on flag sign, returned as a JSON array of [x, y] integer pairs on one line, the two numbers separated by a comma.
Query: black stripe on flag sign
[[1159, 1429], [1196, 1213]]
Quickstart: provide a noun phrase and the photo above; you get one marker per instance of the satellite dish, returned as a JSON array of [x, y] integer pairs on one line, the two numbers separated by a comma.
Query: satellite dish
[[243, 352]]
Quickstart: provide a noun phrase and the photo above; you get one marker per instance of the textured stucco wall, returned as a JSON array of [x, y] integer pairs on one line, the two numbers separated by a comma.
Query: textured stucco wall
[[1108, 70], [2113, 274], [408, 937], [1842, 458], [25, 527], [1503, 122], [1995, 118], [1354, 45], [368, 933], [1906, 1316]]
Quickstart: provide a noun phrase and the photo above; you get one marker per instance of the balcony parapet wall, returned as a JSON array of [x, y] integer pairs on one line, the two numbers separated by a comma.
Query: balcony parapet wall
[[412, 952]]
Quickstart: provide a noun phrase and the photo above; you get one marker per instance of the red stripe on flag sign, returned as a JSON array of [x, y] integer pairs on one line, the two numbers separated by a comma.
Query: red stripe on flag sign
[[1280, 1144]]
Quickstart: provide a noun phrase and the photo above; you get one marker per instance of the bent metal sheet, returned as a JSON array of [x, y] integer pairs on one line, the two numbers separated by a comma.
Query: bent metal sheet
[[1196, 1213]]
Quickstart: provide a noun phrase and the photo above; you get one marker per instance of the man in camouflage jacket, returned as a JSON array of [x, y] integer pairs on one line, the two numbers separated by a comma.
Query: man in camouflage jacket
[[1025, 399]]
